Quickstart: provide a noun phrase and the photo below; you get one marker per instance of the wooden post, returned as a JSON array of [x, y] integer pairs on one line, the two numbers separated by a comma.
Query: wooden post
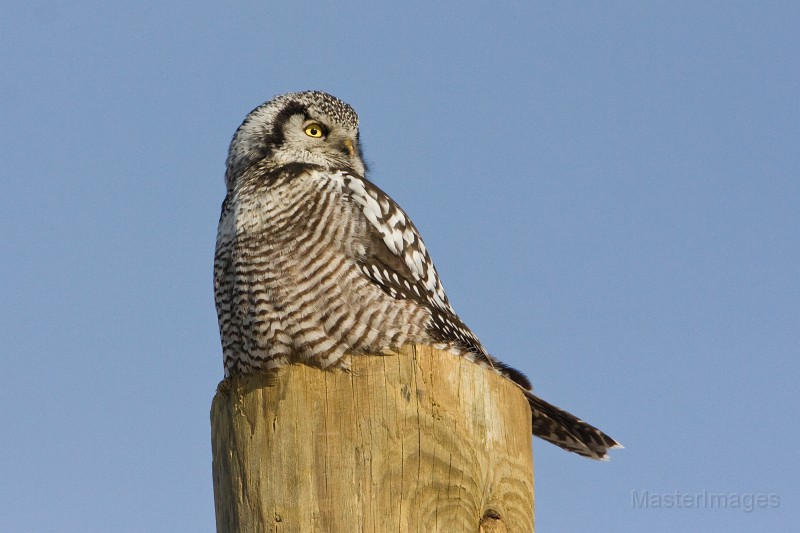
[[420, 442]]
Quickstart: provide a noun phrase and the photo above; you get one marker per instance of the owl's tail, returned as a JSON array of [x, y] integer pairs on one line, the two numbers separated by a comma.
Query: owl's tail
[[568, 431]]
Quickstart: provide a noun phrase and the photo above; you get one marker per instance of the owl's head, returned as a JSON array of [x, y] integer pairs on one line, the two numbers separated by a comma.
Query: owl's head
[[307, 127]]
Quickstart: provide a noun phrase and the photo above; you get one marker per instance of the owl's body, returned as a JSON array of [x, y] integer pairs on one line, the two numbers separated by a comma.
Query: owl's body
[[315, 264], [299, 294]]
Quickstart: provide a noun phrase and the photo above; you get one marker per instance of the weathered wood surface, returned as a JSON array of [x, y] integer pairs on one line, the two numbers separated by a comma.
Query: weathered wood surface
[[420, 442]]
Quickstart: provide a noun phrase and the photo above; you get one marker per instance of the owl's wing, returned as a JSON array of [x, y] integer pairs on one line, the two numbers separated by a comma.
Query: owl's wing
[[397, 260]]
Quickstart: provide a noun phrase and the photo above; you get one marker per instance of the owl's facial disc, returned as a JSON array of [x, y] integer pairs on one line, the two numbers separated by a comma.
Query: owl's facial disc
[[315, 139]]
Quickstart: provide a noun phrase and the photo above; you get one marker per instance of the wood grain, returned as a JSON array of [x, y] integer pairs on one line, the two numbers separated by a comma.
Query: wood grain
[[423, 441]]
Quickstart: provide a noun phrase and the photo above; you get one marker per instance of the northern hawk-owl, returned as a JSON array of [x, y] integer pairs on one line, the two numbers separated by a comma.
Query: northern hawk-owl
[[314, 263]]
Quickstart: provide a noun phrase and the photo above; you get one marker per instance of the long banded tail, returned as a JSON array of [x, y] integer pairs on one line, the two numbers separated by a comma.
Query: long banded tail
[[568, 431]]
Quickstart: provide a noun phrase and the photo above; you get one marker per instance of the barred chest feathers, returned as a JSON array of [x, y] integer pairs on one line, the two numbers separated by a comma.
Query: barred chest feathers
[[291, 260]]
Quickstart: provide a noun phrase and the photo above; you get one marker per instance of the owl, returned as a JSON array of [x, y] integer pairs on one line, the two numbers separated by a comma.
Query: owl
[[315, 264]]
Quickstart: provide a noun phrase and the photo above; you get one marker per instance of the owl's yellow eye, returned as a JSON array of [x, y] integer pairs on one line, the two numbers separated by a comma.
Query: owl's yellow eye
[[314, 130]]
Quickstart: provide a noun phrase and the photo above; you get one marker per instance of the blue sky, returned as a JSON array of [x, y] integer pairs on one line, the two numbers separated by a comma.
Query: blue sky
[[610, 193]]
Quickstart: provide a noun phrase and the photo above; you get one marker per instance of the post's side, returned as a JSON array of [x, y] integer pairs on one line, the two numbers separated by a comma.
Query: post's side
[[422, 441]]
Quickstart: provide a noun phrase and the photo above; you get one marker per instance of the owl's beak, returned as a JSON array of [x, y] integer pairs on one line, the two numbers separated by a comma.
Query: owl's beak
[[348, 145]]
